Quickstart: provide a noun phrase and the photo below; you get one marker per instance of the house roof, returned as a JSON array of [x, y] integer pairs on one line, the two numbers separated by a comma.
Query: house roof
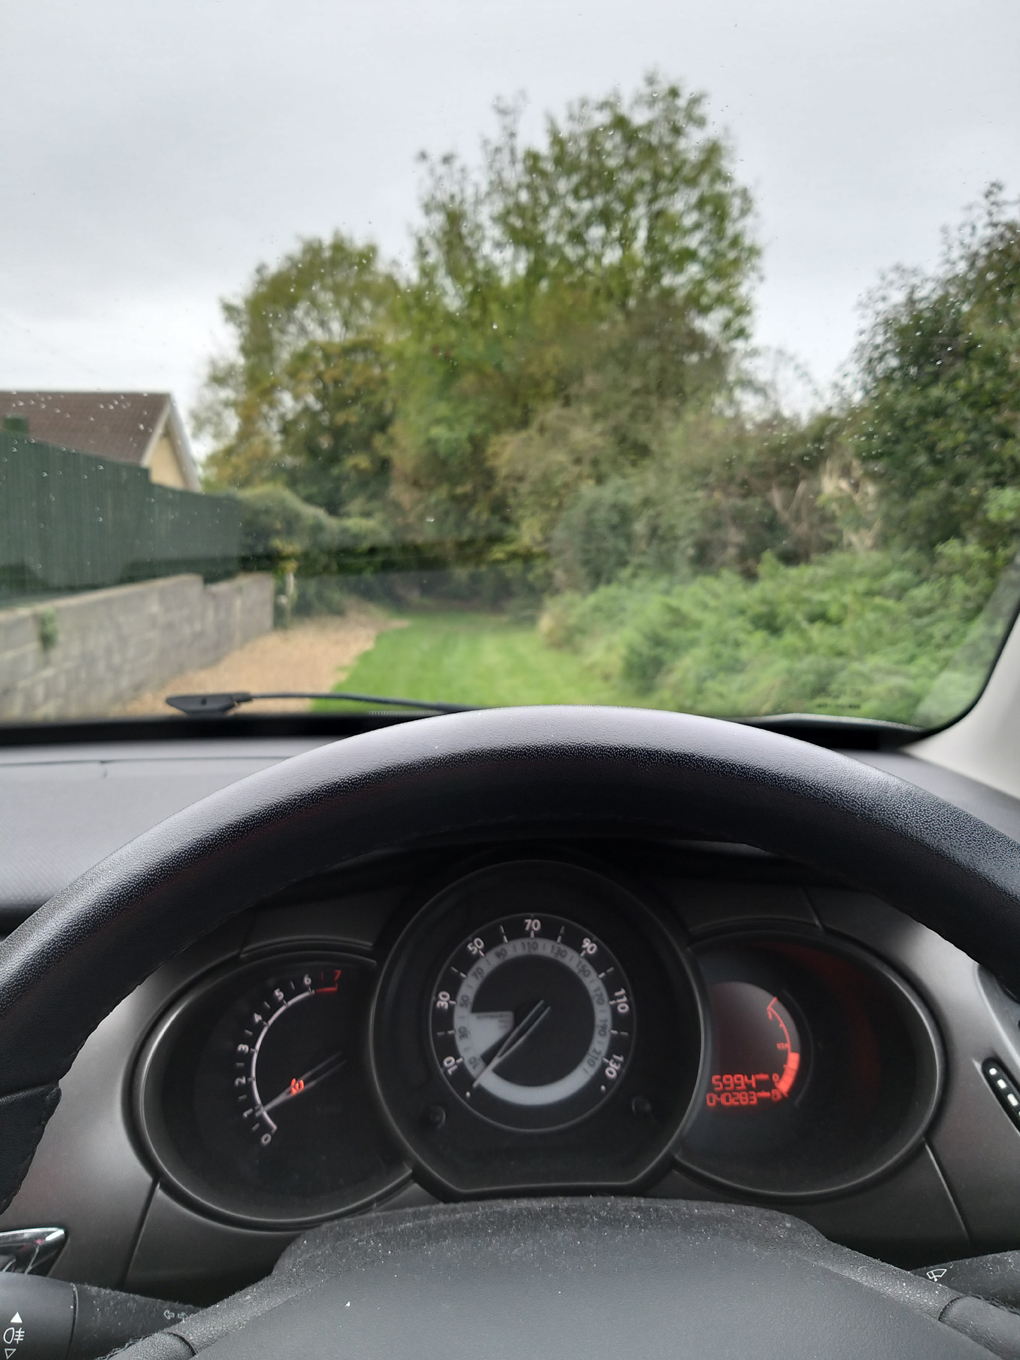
[[123, 426]]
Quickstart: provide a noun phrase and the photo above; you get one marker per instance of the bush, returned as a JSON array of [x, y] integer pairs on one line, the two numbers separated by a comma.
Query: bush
[[863, 635], [937, 426], [277, 525], [315, 595]]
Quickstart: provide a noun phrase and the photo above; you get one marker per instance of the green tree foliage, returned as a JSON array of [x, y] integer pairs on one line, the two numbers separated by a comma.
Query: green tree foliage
[[606, 270], [719, 492], [332, 439], [553, 386], [282, 533], [595, 280], [851, 564], [277, 525], [938, 422], [300, 332], [857, 564]]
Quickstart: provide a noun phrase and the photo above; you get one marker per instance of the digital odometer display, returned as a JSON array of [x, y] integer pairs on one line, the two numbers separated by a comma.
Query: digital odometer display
[[756, 1048], [821, 1067]]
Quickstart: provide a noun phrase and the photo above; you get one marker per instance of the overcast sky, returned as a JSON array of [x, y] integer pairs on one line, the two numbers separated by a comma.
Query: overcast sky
[[151, 155]]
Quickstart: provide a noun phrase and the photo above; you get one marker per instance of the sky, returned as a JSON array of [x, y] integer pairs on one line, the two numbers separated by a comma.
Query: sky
[[151, 155]]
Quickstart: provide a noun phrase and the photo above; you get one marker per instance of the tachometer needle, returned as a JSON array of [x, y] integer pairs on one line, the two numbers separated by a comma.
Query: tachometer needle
[[515, 1038], [299, 1085]]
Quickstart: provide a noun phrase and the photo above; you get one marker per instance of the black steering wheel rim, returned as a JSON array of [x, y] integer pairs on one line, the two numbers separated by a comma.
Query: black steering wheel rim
[[66, 968]]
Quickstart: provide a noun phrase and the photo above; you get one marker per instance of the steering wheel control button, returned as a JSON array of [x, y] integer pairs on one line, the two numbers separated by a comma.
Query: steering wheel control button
[[1004, 1089], [36, 1317], [532, 1022]]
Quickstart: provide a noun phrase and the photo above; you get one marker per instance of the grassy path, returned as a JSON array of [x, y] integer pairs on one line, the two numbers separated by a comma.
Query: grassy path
[[474, 659]]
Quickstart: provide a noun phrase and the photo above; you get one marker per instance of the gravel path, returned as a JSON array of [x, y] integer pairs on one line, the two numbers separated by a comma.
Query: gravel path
[[313, 654]]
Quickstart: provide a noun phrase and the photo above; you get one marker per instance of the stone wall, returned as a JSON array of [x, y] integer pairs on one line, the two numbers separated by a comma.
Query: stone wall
[[84, 655]]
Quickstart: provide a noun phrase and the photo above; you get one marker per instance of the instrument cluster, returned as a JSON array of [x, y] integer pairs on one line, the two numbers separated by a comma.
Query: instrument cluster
[[536, 1025]]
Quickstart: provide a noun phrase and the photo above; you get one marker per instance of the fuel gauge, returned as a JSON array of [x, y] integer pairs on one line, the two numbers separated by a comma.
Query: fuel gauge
[[823, 1067], [756, 1049]]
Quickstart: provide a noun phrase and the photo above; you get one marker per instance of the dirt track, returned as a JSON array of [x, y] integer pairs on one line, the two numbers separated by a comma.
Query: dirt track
[[311, 655]]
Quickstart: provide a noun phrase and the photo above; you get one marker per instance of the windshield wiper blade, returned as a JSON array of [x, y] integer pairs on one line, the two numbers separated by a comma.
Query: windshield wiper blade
[[216, 705]]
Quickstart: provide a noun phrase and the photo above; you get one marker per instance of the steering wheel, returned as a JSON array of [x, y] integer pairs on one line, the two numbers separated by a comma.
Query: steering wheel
[[531, 1277]]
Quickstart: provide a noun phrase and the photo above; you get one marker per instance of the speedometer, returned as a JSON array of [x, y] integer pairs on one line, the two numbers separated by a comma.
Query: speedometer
[[532, 1021], [535, 1026]]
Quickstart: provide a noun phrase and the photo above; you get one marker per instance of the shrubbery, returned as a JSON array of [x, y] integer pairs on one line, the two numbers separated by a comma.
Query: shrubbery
[[277, 525], [861, 634], [303, 546]]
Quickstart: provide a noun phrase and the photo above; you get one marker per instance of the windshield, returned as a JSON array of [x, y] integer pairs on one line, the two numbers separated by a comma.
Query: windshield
[[659, 355]]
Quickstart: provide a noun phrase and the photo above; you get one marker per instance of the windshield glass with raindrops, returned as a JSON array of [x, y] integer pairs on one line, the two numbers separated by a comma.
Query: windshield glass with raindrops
[[661, 355]]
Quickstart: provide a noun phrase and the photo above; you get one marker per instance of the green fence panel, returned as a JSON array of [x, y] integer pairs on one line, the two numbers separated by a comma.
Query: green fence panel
[[183, 531], [72, 521]]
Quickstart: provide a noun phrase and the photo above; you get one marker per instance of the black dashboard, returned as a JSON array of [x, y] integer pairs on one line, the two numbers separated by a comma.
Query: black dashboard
[[531, 1020], [583, 1014]]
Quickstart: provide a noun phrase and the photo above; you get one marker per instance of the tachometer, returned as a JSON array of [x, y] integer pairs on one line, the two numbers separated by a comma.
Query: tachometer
[[252, 1094], [290, 1043], [532, 1021]]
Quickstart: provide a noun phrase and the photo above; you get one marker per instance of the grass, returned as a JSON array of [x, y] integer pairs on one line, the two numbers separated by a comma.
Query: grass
[[469, 658]]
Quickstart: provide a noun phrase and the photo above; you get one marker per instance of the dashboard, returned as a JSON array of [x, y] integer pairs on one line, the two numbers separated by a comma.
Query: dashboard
[[573, 1014], [537, 1023]]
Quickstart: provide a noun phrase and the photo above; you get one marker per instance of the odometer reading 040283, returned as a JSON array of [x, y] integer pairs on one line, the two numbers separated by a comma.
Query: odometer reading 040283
[[532, 1022]]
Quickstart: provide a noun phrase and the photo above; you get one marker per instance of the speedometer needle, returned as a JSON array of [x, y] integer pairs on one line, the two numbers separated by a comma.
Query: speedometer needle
[[515, 1038], [299, 1085]]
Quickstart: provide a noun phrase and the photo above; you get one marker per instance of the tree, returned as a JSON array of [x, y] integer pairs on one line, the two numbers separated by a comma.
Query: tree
[[332, 441], [325, 294], [721, 492], [627, 203], [938, 425], [596, 282], [608, 267]]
